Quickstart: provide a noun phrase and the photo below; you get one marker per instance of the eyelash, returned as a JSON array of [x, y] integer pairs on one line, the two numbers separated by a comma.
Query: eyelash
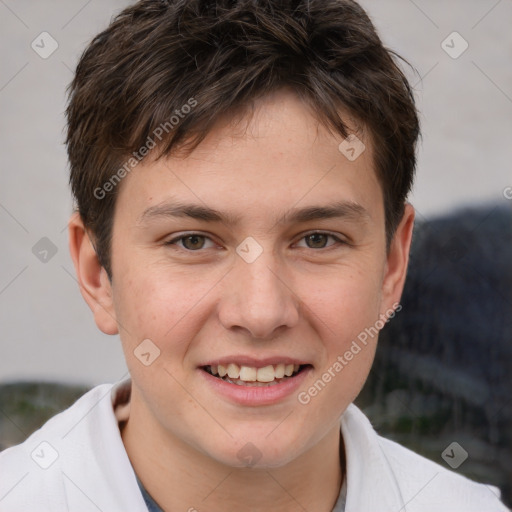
[[330, 235]]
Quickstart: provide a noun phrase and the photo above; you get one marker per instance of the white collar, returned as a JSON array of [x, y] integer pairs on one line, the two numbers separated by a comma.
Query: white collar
[[369, 482]]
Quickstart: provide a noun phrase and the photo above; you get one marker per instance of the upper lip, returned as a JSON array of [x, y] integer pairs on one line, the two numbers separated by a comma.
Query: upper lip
[[254, 362]]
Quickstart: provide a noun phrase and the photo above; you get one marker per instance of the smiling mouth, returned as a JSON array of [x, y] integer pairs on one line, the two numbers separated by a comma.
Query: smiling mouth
[[270, 375]]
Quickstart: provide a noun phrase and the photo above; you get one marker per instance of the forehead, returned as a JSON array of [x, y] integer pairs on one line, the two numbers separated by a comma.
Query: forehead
[[269, 160]]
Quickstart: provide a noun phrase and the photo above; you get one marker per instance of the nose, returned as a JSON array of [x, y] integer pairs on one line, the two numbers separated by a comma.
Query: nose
[[258, 298]]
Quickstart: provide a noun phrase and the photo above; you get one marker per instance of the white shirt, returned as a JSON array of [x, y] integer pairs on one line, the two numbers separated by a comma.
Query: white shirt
[[77, 462]]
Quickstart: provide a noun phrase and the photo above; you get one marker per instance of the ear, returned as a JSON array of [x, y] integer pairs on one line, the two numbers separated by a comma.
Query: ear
[[94, 283], [397, 261]]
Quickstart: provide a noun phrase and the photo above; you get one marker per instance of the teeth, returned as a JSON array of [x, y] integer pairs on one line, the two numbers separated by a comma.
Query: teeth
[[233, 372], [266, 374], [252, 384], [288, 370], [248, 374], [221, 369], [279, 371]]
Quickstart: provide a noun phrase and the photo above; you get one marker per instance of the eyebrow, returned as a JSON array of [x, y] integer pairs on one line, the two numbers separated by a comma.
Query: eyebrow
[[342, 209]]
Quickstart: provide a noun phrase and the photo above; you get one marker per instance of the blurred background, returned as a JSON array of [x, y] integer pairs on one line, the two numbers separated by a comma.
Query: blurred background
[[442, 372]]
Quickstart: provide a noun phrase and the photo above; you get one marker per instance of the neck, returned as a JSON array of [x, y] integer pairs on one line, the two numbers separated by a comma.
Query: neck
[[179, 477]]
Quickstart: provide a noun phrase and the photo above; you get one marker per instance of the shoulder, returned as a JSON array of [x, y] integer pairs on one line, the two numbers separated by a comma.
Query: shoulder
[[432, 485], [415, 483], [67, 463]]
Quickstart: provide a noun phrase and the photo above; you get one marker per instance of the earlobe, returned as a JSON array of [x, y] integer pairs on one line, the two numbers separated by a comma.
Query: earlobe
[[95, 285], [397, 260]]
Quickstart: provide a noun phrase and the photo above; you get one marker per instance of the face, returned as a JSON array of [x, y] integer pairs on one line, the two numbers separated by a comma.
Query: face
[[262, 252]]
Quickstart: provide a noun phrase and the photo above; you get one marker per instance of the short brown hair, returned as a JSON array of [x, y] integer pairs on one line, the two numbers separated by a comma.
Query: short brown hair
[[218, 56]]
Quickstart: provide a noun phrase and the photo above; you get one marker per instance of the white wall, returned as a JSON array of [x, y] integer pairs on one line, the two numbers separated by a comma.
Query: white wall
[[47, 331]]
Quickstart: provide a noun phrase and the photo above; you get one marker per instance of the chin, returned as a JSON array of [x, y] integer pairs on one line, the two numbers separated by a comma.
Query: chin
[[260, 453]]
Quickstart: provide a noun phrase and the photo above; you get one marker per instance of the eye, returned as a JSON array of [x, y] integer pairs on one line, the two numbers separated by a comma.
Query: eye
[[191, 242], [318, 240]]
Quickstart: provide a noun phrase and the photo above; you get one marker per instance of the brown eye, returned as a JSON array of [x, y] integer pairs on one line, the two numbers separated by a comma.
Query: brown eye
[[316, 240], [319, 240], [193, 242]]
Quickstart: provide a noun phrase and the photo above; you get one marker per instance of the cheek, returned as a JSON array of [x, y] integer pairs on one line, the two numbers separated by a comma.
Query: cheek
[[345, 318], [163, 304], [344, 311], [345, 302]]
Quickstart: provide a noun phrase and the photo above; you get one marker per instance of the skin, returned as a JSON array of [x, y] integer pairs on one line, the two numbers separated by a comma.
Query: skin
[[297, 299]]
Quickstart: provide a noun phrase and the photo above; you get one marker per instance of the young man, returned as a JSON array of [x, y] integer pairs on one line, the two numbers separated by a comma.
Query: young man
[[241, 171]]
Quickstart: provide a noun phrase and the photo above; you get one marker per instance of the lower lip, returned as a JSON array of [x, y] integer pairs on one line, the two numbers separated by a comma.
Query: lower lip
[[256, 395]]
